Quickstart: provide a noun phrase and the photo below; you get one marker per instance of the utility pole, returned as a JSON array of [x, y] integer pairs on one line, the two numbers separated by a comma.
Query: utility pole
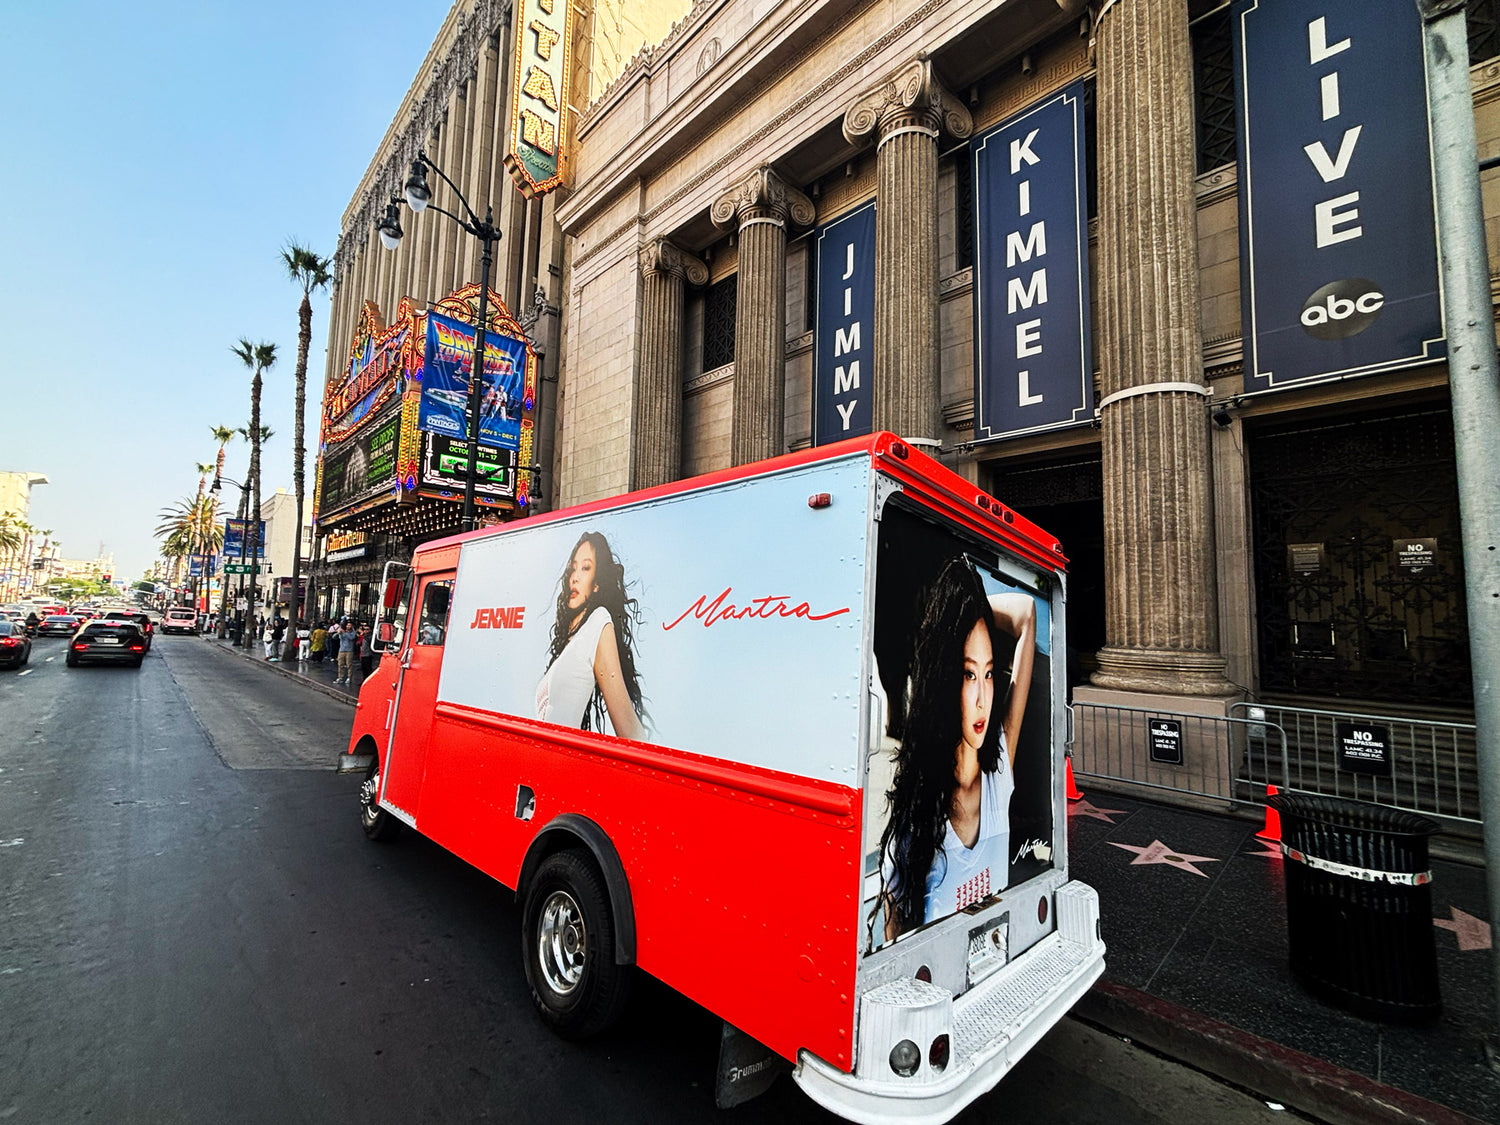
[[1474, 383]]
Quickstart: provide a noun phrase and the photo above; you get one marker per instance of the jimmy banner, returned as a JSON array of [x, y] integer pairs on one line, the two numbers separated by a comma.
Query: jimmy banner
[[1338, 245], [234, 539], [445, 383], [844, 334], [1033, 354]]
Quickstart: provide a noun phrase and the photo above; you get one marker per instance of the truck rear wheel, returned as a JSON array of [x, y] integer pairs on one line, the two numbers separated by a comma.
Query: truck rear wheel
[[379, 825], [568, 948]]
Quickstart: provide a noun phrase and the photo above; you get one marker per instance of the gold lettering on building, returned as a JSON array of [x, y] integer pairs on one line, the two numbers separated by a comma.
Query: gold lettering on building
[[546, 39], [537, 133], [539, 86], [546, 5]]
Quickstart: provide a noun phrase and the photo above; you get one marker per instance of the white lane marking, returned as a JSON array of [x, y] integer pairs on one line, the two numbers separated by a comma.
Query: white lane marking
[[27, 671], [50, 659], [16, 843]]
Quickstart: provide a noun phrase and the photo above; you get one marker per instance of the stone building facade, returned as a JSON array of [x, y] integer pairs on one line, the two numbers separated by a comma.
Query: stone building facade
[[702, 172]]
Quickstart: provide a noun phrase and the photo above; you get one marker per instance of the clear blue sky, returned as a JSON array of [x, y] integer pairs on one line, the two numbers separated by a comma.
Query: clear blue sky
[[158, 156]]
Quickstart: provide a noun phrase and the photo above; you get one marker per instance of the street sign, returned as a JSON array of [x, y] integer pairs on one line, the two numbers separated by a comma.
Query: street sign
[[241, 568]]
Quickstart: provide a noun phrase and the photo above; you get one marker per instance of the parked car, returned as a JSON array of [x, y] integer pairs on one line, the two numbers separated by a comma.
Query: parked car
[[107, 642], [140, 620], [180, 619], [15, 645], [58, 625]]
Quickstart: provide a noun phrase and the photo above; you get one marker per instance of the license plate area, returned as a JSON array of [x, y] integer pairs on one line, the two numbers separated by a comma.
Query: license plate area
[[989, 948], [108, 640]]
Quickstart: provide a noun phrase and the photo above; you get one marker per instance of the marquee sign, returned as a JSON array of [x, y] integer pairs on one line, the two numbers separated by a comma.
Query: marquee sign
[[362, 467], [1338, 244], [539, 95], [844, 333], [1033, 351]]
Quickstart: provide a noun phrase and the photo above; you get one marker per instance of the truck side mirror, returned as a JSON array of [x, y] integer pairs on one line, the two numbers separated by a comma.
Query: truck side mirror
[[392, 593], [387, 637]]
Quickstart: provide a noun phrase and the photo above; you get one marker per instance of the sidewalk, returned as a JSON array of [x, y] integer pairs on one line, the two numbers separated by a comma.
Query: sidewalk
[[1193, 911], [318, 676]]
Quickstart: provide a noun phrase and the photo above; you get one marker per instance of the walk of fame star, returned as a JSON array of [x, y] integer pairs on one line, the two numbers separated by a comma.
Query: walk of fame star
[[1472, 932], [1085, 808], [1157, 852], [1272, 850]]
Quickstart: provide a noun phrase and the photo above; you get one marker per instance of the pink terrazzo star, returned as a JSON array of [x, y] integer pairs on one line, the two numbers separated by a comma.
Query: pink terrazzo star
[[1085, 808], [1472, 932], [1272, 850], [1157, 852]]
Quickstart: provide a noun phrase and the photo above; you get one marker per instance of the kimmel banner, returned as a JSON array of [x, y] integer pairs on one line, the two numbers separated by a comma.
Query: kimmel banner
[[1033, 354], [843, 337], [445, 383], [1338, 247]]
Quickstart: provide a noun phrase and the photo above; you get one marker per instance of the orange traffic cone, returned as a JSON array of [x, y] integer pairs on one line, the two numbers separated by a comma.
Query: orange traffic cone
[[1073, 793], [1272, 830]]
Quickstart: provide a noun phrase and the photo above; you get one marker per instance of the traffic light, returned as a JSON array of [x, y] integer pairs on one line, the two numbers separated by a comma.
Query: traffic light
[[107, 577]]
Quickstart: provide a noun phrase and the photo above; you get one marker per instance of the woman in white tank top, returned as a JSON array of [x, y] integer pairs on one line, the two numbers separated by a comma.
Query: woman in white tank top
[[591, 672], [947, 840]]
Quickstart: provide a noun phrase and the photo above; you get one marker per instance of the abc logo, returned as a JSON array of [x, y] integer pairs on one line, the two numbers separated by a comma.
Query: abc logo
[[1342, 309]]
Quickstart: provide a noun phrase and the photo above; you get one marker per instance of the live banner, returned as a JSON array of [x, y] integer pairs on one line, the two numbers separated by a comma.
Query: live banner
[[1338, 244], [1033, 352], [842, 337]]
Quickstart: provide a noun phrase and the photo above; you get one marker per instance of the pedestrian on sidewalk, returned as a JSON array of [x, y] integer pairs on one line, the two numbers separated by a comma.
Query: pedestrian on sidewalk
[[366, 656], [304, 642], [348, 641], [268, 639], [278, 630], [319, 639]]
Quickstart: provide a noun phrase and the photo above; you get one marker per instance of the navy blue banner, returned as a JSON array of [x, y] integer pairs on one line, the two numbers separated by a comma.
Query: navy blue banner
[[1338, 245], [1033, 354], [843, 337], [445, 383], [234, 539]]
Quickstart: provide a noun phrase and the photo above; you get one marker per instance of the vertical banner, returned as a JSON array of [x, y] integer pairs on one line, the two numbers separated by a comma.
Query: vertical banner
[[843, 335], [1033, 353], [1338, 245], [445, 383], [538, 125]]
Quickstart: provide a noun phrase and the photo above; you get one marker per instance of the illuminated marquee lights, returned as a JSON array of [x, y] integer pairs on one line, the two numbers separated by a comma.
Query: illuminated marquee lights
[[539, 98]]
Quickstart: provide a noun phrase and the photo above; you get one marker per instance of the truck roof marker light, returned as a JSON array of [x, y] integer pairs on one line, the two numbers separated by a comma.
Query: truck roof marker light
[[1041, 909], [938, 1056], [1057, 548], [898, 449], [924, 974], [1007, 515], [819, 500]]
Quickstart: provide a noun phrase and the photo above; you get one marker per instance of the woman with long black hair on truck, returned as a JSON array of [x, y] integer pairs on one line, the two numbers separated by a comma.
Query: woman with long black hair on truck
[[591, 661], [947, 841]]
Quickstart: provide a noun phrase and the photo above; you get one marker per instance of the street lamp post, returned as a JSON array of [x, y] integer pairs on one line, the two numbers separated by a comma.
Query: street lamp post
[[418, 196]]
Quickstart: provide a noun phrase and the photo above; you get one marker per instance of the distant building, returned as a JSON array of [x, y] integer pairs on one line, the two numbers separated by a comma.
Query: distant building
[[15, 492]]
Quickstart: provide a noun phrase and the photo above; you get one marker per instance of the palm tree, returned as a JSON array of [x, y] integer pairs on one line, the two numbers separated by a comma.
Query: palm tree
[[223, 435], [311, 272], [257, 358]]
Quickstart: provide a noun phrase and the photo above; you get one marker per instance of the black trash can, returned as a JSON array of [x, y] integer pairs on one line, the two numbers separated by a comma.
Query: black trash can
[[1359, 906]]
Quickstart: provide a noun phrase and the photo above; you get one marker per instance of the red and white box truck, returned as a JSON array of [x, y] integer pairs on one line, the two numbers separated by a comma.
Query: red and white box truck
[[788, 737]]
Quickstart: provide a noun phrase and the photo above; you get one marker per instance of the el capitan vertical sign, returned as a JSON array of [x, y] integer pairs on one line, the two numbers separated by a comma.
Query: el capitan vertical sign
[[539, 95]]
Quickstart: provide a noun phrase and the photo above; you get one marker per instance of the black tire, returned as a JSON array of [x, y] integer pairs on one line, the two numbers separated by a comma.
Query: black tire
[[568, 948], [71, 661], [136, 663], [378, 823]]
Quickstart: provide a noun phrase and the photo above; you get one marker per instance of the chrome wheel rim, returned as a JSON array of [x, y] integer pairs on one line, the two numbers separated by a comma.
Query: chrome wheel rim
[[367, 791], [562, 943]]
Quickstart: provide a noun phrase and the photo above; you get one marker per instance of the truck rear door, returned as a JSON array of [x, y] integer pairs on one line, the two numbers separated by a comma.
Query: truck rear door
[[416, 694]]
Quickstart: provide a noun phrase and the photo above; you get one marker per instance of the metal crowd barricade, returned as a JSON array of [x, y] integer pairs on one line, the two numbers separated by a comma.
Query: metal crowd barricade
[[1219, 754], [1433, 767]]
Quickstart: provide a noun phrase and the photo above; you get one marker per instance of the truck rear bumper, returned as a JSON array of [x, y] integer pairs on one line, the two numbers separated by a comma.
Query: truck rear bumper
[[992, 1025]]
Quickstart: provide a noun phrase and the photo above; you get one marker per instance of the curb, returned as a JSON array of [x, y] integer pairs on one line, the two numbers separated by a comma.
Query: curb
[[331, 692], [1305, 1083]]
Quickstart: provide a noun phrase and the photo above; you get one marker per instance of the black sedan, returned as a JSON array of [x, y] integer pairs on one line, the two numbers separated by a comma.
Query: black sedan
[[107, 642], [142, 622], [57, 625], [15, 645]]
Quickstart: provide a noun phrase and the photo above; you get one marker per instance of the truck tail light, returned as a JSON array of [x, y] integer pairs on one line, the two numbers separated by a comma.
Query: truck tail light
[[819, 500], [906, 1056], [938, 1055]]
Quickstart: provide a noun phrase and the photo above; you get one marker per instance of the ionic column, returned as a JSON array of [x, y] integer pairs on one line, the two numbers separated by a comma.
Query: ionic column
[[907, 113], [656, 415], [1161, 619], [762, 204]]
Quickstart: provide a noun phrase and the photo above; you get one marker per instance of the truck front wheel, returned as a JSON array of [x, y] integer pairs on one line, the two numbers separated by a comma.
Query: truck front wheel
[[379, 825], [568, 947]]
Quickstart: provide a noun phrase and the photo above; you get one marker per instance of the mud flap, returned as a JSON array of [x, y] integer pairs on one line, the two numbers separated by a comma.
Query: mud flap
[[355, 763], [747, 1068]]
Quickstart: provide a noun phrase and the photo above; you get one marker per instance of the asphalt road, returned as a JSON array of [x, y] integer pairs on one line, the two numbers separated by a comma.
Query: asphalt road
[[195, 929]]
